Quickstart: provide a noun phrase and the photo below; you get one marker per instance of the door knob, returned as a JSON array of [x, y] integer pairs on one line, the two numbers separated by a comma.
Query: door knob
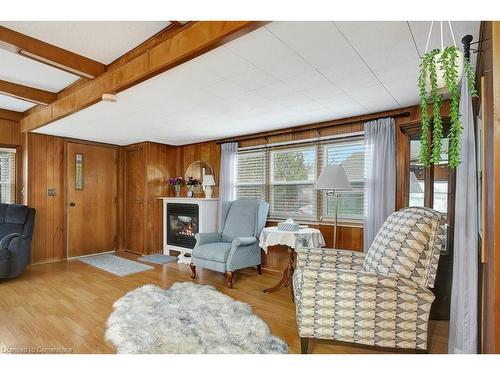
[[139, 201], [72, 204]]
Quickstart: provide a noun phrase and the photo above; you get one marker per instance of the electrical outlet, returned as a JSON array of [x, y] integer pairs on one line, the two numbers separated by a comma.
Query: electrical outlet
[[51, 192]]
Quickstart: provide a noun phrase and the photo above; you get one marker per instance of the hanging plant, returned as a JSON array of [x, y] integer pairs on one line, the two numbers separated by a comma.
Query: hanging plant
[[440, 72]]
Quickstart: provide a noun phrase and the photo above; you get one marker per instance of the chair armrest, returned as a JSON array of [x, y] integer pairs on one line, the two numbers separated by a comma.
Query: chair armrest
[[204, 238], [243, 241], [5, 242], [330, 258]]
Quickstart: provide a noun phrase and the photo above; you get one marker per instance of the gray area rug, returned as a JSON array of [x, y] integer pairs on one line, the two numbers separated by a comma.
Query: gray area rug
[[158, 258], [187, 318], [115, 265]]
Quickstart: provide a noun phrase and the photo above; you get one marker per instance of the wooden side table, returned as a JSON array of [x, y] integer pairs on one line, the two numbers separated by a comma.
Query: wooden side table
[[271, 236]]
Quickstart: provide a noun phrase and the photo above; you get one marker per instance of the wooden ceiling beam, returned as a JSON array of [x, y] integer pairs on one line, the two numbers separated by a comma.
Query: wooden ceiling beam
[[27, 93], [7, 114], [190, 42], [50, 54]]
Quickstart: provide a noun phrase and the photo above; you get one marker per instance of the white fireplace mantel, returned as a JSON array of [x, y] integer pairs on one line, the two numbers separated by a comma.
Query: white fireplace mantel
[[207, 222]]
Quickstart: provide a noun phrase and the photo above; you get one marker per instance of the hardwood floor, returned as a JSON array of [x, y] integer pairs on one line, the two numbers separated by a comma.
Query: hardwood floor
[[66, 304]]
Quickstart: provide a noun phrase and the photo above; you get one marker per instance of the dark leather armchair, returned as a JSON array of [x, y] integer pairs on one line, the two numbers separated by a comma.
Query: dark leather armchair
[[16, 230]]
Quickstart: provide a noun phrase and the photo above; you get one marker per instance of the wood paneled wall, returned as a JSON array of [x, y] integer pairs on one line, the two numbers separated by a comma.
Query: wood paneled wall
[[46, 171], [489, 80], [208, 152], [161, 163], [10, 134]]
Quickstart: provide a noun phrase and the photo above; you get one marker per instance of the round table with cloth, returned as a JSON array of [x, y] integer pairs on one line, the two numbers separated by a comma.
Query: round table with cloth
[[306, 237]]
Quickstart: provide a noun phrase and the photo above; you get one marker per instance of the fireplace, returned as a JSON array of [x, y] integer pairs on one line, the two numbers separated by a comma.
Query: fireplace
[[182, 224], [182, 219]]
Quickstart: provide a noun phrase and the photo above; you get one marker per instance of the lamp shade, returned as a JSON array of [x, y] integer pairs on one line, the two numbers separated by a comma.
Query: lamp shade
[[208, 180], [333, 177]]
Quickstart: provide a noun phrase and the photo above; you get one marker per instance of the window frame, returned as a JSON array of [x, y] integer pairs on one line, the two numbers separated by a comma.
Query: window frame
[[319, 198]]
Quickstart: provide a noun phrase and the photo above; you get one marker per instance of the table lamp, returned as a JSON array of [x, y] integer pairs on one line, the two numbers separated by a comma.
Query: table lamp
[[333, 179], [208, 182]]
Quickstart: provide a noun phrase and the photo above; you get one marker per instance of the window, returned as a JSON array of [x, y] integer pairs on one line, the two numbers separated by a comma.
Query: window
[[285, 176], [293, 174], [251, 179], [352, 157], [7, 175]]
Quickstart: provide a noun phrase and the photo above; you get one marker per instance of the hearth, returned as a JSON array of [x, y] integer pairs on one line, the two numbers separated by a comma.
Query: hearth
[[182, 224], [182, 219]]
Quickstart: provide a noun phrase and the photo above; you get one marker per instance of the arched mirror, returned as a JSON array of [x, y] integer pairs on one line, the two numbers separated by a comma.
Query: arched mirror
[[198, 170]]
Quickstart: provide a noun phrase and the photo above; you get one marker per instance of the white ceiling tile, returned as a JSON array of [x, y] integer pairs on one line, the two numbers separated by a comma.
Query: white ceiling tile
[[224, 62], [379, 43], [102, 41], [323, 91], [259, 47], [357, 82], [319, 43], [14, 104], [24, 71], [274, 90], [254, 79], [305, 81]]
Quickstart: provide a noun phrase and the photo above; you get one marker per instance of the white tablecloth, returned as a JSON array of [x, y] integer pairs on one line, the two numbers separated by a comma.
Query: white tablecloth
[[308, 237]]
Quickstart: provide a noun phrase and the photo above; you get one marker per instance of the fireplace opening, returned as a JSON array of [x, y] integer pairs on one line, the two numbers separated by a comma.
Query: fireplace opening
[[182, 224]]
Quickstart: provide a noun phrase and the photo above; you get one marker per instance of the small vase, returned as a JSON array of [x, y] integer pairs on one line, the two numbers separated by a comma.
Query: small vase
[[177, 191], [190, 192]]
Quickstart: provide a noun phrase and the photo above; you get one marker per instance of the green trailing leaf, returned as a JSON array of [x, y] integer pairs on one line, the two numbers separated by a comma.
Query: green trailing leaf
[[424, 113], [447, 63], [471, 79]]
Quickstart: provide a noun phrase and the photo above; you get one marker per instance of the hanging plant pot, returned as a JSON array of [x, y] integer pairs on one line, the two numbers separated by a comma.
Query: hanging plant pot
[[440, 73], [442, 88]]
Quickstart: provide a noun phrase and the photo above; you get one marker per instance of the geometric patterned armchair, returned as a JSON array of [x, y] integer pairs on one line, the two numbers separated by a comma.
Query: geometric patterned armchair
[[378, 298]]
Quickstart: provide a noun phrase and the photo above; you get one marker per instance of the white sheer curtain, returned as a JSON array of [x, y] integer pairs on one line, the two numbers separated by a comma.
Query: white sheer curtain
[[464, 291], [380, 175], [227, 179]]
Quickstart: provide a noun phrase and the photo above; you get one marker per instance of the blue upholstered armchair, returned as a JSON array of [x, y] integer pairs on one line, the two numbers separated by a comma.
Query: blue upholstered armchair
[[16, 231], [237, 246]]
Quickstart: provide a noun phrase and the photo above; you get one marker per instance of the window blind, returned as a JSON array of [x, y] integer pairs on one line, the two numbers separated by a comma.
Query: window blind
[[7, 176], [285, 175]]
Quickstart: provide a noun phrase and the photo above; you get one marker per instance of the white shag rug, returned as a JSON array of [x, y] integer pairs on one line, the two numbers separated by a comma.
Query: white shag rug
[[187, 318]]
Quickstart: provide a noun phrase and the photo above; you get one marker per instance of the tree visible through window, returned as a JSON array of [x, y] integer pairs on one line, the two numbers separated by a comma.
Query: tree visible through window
[[7, 176]]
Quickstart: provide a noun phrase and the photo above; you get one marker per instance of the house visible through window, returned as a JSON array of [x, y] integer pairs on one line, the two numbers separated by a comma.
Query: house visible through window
[[7, 175], [285, 176]]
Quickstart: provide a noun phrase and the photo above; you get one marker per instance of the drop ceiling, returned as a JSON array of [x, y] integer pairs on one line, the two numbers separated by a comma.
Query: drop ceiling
[[283, 74], [103, 41]]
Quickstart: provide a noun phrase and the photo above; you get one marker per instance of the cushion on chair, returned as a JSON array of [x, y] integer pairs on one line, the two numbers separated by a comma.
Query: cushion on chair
[[408, 244], [241, 219], [16, 214], [216, 251]]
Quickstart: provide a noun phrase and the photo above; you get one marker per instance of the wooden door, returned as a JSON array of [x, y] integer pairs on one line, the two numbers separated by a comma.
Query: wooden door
[[91, 206], [135, 205]]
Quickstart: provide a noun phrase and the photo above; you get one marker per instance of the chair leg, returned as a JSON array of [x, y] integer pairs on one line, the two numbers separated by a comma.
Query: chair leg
[[304, 345], [193, 270], [259, 269], [229, 279]]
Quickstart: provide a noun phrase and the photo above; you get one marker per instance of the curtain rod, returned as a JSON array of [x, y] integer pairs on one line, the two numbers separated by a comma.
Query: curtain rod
[[317, 126]]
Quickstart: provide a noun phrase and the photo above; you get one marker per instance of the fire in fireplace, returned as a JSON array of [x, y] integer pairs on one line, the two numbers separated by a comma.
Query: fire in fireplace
[[182, 224]]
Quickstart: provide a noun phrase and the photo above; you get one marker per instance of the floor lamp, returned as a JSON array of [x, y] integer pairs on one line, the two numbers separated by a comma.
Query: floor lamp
[[333, 179]]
